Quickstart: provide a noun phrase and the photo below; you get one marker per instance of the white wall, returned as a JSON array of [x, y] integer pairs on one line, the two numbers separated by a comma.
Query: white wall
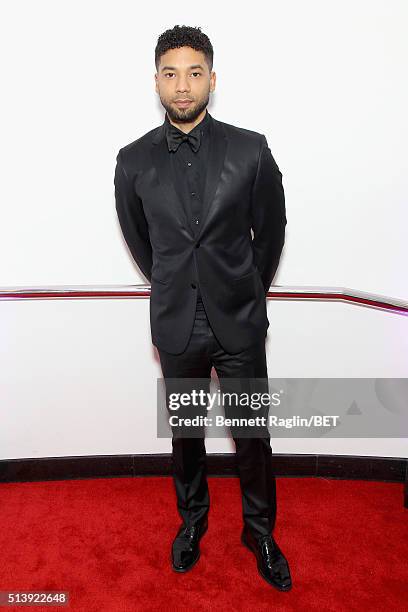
[[324, 81], [79, 377]]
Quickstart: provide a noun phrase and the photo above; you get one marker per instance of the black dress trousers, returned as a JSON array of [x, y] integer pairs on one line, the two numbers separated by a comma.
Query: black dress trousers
[[253, 455]]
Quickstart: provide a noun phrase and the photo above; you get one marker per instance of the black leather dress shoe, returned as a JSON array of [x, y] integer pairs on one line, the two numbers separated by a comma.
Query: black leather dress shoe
[[186, 546], [272, 565]]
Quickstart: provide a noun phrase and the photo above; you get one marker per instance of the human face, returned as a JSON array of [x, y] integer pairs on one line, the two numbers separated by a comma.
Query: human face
[[183, 74]]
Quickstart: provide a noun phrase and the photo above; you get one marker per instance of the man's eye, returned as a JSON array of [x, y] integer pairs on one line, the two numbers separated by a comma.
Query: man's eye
[[199, 73], [168, 73]]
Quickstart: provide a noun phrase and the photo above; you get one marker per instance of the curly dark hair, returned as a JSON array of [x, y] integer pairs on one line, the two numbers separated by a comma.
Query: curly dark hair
[[184, 36]]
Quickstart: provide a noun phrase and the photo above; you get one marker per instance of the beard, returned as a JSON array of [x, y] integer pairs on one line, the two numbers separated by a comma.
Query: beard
[[185, 115]]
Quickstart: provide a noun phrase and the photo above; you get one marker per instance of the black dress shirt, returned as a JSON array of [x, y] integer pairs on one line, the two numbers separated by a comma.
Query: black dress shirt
[[189, 171]]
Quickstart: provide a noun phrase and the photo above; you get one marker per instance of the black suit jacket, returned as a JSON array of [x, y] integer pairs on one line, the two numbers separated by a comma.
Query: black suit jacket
[[243, 190]]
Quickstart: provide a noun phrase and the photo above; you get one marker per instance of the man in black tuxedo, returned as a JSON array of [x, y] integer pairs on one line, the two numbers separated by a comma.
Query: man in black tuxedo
[[188, 193]]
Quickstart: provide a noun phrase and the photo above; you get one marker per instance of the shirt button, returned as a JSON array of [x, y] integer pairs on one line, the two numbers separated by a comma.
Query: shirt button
[[196, 222], [188, 163], [193, 193], [193, 286]]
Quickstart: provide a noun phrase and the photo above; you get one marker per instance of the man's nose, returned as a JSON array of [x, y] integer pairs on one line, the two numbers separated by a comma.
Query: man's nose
[[182, 84]]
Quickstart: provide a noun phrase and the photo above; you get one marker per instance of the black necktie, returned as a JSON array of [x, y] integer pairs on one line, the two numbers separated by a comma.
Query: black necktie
[[175, 137]]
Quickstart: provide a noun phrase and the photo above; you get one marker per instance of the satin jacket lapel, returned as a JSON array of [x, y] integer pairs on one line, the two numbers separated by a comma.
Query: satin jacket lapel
[[216, 158], [161, 161]]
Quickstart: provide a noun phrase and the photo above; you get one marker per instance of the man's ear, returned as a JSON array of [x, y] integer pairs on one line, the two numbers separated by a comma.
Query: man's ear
[[213, 78]]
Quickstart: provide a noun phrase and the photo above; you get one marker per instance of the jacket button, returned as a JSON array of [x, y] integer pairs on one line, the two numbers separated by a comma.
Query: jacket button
[[197, 246], [193, 286]]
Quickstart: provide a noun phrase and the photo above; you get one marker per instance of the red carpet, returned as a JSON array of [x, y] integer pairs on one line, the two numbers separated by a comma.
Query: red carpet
[[108, 541]]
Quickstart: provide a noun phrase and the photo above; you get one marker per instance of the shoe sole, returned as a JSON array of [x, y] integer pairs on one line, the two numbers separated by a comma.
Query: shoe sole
[[280, 588], [187, 569]]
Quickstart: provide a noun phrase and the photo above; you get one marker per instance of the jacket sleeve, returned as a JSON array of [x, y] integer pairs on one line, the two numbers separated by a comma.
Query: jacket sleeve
[[132, 219], [268, 215]]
